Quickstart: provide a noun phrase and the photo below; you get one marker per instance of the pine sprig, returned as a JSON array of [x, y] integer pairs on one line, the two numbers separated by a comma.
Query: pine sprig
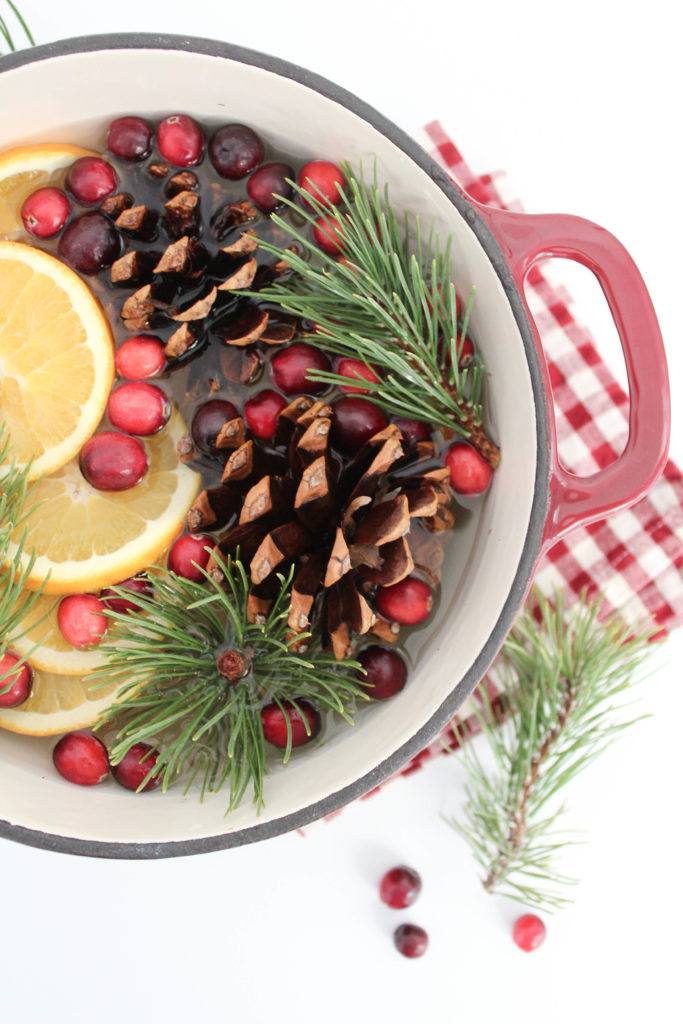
[[15, 603], [5, 32], [563, 676], [390, 302], [194, 675]]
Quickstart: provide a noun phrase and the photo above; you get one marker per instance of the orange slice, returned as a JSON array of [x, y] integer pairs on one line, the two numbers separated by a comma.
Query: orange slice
[[58, 704], [27, 168], [56, 358], [88, 539]]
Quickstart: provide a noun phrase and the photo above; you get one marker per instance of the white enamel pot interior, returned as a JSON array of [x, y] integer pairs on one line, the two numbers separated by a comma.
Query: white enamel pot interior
[[69, 92]]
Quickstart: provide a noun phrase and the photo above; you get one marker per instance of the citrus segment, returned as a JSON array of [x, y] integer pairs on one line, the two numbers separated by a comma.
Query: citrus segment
[[88, 539], [57, 704], [56, 358], [25, 169]]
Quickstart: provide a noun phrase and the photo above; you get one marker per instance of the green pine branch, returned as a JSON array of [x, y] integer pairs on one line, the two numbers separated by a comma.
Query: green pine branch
[[175, 695], [563, 677], [6, 33], [390, 301], [14, 510]]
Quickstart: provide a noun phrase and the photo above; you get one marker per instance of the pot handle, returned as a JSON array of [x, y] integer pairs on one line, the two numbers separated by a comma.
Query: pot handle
[[580, 500]]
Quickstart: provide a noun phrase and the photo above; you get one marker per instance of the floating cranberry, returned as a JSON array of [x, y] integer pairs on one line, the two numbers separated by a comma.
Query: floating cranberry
[[470, 473], [130, 138], [465, 352], [267, 184], [386, 672], [188, 550], [207, 422], [81, 758], [90, 243], [357, 369], [411, 940], [45, 212], [328, 233], [235, 150], [90, 180], [135, 766], [19, 681], [180, 140], [407, 602], [292, 364], [261, 413], [140, 584], [354, 421], [304, 722], [528, 932], [321, 176], [400, 887], [413, 431], [140, 357], [113, 462], [81, 620], [139, 408]]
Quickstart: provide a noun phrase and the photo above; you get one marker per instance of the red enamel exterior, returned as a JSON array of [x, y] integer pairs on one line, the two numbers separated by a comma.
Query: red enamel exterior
[[575, 500]]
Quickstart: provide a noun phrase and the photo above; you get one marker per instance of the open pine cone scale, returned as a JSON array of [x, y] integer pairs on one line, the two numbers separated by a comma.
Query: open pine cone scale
[[342, 521]]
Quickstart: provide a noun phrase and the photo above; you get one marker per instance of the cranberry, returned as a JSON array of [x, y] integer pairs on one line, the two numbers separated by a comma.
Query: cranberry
[[188, 550], [261, 413], [304, 721], [386, 672], [328, 233], [354, 421], [90, 180], [470, 473], [139, 408], [135, 766], [180, 140], [413, 430], [321, 176], [269, 182], [411, 940], [45, 212], [465, 351], [90, 243], [528, 932], [140, 357], [235, 150], [400, 887], [113, 462], [357, 369], [81, 620], [81, 758], [130, 138], [207, 422], [407, 602], [19, 681], [140, 584], [291, 365]]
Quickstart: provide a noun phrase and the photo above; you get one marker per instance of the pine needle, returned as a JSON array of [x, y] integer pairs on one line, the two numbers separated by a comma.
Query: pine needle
[[563, 676], [5, 32], [174, 697]]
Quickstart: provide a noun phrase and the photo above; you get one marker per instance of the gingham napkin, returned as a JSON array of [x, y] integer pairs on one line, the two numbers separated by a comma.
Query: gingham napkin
[[634, 559]]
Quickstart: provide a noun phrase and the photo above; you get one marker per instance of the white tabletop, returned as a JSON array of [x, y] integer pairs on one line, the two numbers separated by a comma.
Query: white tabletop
[[580, 102]]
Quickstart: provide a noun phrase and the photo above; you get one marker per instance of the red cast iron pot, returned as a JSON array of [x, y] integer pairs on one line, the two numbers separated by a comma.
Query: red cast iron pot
[[534, 501]]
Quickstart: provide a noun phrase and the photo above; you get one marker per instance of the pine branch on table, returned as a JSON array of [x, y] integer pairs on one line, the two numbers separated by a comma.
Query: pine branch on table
[[563, 676], [6, 32]]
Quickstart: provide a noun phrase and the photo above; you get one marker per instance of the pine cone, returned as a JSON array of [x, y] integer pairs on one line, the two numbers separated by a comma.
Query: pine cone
[[343, 522]]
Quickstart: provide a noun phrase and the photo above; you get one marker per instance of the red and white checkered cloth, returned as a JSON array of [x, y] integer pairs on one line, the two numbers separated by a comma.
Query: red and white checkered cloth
[[634, 559]]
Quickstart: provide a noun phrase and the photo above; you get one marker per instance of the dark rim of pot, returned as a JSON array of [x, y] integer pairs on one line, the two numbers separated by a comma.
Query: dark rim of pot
[[533, 540]]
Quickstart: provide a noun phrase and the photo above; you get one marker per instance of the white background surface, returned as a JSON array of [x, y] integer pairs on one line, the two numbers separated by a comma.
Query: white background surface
[[580, 102]]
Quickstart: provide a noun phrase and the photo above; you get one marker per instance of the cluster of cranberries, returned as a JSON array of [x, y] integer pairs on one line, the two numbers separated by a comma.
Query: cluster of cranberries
[[82, 758], [81, 617], [399, 888]]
